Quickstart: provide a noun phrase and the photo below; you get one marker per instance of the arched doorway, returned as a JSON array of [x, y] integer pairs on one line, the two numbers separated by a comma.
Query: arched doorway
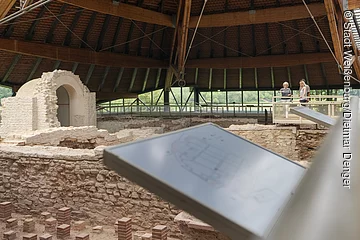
[[63, 102]]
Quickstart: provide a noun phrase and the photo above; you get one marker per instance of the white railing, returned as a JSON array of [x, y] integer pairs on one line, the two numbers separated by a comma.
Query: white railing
[[325, 104]]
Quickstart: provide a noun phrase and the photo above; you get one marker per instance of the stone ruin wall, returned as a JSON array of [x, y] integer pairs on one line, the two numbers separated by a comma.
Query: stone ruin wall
[[37, 100], [295, 143], [43, 178], [115, 124]]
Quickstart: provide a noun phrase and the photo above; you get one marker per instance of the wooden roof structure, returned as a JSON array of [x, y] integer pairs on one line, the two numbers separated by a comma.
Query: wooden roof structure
[[121, 48]]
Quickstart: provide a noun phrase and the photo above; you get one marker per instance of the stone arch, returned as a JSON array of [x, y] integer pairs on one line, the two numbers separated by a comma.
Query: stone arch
[[63, 102], [78, 94]]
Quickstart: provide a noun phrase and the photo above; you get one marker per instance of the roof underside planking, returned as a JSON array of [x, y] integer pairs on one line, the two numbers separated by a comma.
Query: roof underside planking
[[123, 50]]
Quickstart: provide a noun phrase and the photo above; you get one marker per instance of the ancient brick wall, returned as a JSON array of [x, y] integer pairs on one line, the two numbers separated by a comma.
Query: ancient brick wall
[[11, 111], [280, 140], [42, 178], [35, 180]]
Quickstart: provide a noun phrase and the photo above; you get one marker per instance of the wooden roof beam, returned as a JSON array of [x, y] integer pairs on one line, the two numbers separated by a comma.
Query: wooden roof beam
[[67, 54], [184, 35], [356, 64], [123, 10], [260, 16], [353, 4], [5, 7], [213, 20], [260, 61], [335, 36]]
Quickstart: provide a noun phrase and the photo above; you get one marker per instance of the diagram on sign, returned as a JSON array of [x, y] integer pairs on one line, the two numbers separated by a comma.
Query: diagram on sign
[[205, 157], [202, 157]]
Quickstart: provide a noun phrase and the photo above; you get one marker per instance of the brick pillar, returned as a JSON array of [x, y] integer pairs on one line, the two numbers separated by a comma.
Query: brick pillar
[[29, 225], [146, 236], [44, 217], [46, 236], [116, 226], [11, 223], [30, 236], [63, 231], [82, 236], [9, 235], [124, 229], [64, 215], [159, 232], [6, 209], [50, 225], [79, 226]]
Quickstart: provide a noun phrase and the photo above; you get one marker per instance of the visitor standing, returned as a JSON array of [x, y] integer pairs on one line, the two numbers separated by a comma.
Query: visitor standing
[[286, 97], [304, 92]]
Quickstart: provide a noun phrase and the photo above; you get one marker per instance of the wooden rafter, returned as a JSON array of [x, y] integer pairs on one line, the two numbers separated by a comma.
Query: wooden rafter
[[84, 56], [330, 12], [260, 61], [356, 64], [181, 35], [123, 10], [5, 6], [353, 4], [175, 32], [184, 35], [259, 16]]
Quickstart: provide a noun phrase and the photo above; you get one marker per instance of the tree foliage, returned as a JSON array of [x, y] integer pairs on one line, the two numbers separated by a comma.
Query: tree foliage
[[5, 92]]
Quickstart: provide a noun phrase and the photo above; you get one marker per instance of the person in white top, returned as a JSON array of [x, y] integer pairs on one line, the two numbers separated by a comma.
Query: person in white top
[[307, 88], [303, 92]]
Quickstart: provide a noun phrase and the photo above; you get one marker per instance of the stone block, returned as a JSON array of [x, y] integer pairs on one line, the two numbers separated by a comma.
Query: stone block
[[29, 225], [97, 229], [46, 236], [159, 232], [63, 231], [82, 236], [9, 235], [11, 223], [79, 226], [6, 209], [146, 236], [30, 236]]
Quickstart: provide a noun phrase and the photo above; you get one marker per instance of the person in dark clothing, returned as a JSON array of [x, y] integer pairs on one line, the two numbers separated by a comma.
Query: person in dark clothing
[[285, 92]]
